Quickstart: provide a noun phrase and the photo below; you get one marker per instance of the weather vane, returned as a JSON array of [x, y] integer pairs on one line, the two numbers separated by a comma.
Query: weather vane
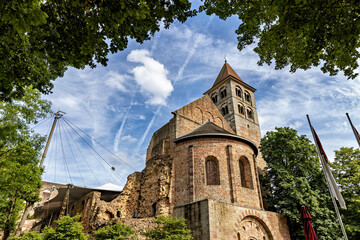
[[226, 59]]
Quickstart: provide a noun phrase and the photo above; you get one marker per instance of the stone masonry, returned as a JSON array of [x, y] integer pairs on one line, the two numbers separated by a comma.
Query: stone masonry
[[202, 165]]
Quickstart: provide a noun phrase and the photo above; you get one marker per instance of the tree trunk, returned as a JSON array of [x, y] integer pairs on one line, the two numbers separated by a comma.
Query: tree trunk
[[7, 229], [23, 218]]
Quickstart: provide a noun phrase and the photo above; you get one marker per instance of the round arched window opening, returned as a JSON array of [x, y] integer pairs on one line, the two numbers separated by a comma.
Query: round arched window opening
[[247, 97]]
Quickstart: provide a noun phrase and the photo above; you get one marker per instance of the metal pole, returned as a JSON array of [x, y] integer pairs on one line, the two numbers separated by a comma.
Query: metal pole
[[58, 115], [332, 197], [353, 128]]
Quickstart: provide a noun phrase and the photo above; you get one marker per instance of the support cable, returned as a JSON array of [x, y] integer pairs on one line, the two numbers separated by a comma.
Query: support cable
[[122, 179], [100, 144], [66, 165], [41, 122], [93, 151], [71, 150], [81, 153]]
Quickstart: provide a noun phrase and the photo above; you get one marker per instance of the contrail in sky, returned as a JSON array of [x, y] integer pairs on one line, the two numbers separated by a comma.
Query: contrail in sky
[[178, 76], [191, 53], [147, 130], [156, 40], [118, 134]]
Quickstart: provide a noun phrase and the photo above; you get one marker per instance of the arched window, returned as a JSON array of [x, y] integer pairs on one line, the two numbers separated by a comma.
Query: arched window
[[245, 172], [223, 93], [241, 109], [250, 114], [238, 236], [247, 96], [212, 171], [238, 91], [214, 98], [225, 110]]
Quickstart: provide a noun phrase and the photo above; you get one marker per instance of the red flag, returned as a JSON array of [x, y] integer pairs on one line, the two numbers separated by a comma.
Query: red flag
[[308, 228], [335, 192]]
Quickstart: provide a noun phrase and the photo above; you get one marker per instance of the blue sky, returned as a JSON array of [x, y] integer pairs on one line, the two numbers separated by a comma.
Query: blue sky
[[121, 105]]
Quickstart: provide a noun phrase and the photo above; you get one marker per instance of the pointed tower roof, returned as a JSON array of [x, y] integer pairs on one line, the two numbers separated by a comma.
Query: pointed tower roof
[[209, 129], [225, 72]]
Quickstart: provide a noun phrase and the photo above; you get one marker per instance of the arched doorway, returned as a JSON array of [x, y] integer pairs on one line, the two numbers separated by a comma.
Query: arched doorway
[[252, 228]]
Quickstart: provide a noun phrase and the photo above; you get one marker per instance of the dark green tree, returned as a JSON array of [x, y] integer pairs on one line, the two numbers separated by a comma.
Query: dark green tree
[[295, 178], [20, 176], [298, 33], [116, 231], [169, 228], [40, 39], [347, 174]]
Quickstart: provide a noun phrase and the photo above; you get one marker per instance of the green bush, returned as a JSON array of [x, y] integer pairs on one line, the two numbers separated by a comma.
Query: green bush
[[29, 236], [67, 228], [169, 228], [117, 231]]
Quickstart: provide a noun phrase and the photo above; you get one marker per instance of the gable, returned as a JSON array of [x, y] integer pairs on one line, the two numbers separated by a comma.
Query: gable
[[196, 113]]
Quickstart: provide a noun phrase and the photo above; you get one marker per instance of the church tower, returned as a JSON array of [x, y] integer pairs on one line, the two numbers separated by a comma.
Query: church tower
[[235, 100]]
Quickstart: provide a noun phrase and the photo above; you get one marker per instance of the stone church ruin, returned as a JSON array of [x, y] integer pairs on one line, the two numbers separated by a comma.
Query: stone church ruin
[[203, 165]]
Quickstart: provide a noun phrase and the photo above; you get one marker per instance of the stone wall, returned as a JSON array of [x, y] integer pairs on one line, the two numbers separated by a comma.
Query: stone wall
[[196, 113], [162, 141], [147, 193], [222, 220]]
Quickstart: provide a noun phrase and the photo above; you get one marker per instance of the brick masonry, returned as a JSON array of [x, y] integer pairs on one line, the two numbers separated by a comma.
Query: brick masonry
[[175, 179]]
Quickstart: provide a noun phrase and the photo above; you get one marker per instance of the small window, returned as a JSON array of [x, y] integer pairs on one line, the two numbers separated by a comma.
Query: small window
[[153, 210], [212, 171], [247, 96], [238, 92], [223, 93], [241, 109], [214, 98], [250, 114], [225, 110]]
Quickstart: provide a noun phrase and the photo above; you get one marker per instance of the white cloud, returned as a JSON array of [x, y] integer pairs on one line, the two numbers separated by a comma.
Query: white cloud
[[117, 81], [128, 138], [151, 77]]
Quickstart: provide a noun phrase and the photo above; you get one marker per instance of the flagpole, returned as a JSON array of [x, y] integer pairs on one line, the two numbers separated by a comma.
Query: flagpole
[[354, 130], [327, 181]]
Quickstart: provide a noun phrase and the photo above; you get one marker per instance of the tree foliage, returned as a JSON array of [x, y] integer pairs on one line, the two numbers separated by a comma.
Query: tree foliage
[[294, 178], [117, 231], [40, 39], [169, 228], [347, 173], [66, 228], [29, 236], [298, 33], [20, 176]]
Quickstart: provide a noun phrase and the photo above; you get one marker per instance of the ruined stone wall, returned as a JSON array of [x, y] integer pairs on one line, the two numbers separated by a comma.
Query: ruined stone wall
[[162, 141], [155, 187], [190, 172], [211, 219], [147, 193]]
